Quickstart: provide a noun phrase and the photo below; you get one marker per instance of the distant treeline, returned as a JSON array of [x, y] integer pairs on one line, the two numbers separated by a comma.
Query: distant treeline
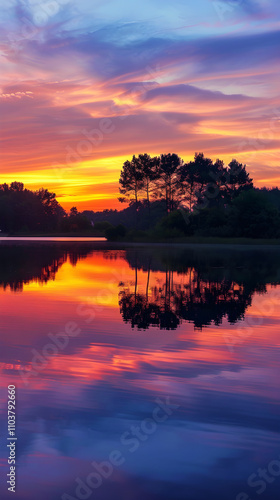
[[169, 198], [24, 211]]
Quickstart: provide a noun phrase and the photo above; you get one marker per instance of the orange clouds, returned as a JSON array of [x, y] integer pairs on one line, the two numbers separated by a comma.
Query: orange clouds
[[75, 107]]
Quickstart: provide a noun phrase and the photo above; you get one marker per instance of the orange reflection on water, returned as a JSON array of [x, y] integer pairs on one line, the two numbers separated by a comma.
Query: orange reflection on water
[[107, 346]]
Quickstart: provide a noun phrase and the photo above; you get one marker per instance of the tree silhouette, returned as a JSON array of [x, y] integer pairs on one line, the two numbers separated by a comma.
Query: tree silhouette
[[16, 186], [168, 180], [238, 179], [25, 211], [149, 168], [197, 184], [131, 181], [188, 179], [73, 211]]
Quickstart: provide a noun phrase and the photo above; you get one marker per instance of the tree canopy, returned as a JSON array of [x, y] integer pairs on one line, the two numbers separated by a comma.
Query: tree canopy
[[192, 184], [26, 211]]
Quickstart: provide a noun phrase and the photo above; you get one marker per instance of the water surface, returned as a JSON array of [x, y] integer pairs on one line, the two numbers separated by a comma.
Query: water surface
[[41, 239], [198, 326]]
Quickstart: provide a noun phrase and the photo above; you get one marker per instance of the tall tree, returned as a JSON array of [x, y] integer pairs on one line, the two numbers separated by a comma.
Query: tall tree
[[149, 168], [238, 179], [168, 180], [203, 168], [216, 190], [49, 203], [188, 180], [199, 179], [52, 210], [131, 181]]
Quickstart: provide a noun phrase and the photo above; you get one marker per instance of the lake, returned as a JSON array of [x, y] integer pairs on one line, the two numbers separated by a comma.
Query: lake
[[141, 371]]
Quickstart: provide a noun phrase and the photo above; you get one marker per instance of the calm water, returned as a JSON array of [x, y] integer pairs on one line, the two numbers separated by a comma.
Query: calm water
[[42, 239], [197, 326]]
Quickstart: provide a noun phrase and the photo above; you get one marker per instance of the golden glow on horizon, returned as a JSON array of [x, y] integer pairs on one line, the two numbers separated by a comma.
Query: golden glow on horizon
[[86, 175], [94, 184]]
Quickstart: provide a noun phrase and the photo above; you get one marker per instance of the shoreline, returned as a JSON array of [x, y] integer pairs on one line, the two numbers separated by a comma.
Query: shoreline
[[207, 243]]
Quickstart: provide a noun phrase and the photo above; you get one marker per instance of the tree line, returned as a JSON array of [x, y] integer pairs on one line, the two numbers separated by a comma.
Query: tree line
[[167, 198], [201, 197], [26, 211], [167, 177]]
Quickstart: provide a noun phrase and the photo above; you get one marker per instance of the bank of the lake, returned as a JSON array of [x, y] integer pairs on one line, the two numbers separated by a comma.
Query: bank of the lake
[[197, 240], [201, 242]]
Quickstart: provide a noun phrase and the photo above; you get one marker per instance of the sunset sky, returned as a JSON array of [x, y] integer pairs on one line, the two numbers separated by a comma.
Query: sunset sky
[[86, 84]]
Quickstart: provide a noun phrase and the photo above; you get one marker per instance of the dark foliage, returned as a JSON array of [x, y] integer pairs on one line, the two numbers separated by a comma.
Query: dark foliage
[[23, 211], [167, 198], [115, 233], [201, 198], [194, 183]]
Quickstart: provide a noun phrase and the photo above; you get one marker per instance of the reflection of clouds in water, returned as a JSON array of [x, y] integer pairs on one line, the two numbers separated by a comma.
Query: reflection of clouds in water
[[108, 378], [215, 434]]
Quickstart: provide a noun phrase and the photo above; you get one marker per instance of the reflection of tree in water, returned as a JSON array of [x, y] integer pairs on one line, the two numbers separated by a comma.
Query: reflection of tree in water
[[196, 301], [142, 311], [205, 302], [203, 294], [21, 264]]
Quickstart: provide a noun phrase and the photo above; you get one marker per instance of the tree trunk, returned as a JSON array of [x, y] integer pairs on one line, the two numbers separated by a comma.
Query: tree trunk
[[148, 199], [136, 208]]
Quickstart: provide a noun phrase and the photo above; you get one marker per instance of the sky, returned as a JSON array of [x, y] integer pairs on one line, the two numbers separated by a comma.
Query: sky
[[86, 84]]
